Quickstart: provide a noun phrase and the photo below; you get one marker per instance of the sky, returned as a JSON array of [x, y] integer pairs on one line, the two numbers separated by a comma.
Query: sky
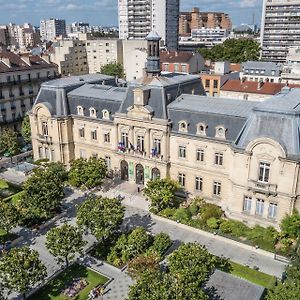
[[105, 12]]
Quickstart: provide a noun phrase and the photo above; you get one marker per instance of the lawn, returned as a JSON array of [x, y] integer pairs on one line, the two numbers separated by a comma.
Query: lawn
[[3, 184], [251, 275], [7, 189], [54, 288]]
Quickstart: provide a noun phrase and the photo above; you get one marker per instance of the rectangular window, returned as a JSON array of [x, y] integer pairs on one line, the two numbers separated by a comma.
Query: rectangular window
[[272, 211], [264, 172], [198, 183], [41, 152], [140, 143], [52, 155], [184, 68], [217, 188], [200, 155], [218, 158], [176, 67], [124, 139], [259, 207], [81, 132], [157, 146], [216, 83], [207, 83], [181, 179], [44, 129], [108, 162], [47, 153], [182, 152], [82, 153], [247, 204], [107, 137], [94, 134]]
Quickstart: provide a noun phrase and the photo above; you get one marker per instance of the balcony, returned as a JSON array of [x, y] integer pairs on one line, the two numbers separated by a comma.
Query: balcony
[[262, 187], [44, 139]]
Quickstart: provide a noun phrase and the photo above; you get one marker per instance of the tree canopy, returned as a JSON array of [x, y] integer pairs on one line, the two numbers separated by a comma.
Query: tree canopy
[[290, 225], [161, 192], [102, 216], [113, 69], [43, 191], [26, 130], [9, 215], [64, 242], [87, 173], [21, 269], [232, 50], [9, 142]]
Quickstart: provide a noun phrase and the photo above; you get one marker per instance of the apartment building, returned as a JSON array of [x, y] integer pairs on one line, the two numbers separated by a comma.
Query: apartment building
[[197, 19], [209, 36], [52, 28], [162, 126], [261, 71], [138, 18], [279, 28], [20, 81]]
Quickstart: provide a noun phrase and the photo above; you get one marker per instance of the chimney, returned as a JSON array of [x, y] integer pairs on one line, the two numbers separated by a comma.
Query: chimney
[[260, 85], [176, 53], [6, 61]]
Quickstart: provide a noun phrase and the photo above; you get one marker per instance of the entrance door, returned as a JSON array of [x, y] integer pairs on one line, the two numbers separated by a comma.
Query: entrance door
[[139, 174], [155, 174], [124, 170]]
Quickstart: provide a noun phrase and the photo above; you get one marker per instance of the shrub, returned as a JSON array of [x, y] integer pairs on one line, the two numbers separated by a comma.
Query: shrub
[[161, 243], [168, 212], [182, 214], [290, 225], [213, 223], [235, 228], [263, 237], [194, 209], [209, 210]]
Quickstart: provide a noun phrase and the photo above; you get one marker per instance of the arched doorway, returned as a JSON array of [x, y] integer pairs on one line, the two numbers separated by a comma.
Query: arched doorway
[[139, 174], [124, 170], [155, 174]]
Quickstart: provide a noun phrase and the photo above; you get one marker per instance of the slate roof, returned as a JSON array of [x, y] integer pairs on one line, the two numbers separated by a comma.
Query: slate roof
[[252, 87], [224, 286], [175, 57], [17, 64], [262, 65]]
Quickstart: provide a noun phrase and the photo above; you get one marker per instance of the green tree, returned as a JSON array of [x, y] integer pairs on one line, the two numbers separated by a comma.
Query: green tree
[[64, 242], [290, 225], [87, 173], [113, 69], [233, 50], [21, 269], [9, 142], [161, 244], [43, 192], [138, 265], [26, 130], [102, 216], [287, 290], [161, 192], [9, 215]]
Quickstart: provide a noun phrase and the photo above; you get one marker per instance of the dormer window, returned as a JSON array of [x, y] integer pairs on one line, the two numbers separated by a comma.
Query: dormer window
[[220, 132], [201, 129], [93, 112], [183, 126], [80, 110], [105, 114]]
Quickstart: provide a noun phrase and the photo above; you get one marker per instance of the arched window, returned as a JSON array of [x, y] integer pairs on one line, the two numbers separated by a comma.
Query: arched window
[[80, 110], [105, 114], [183, 126], [201, 129], [93, 112], [220, 132]]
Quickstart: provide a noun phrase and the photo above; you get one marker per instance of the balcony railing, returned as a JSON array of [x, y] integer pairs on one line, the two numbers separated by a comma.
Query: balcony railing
[[262, 187]]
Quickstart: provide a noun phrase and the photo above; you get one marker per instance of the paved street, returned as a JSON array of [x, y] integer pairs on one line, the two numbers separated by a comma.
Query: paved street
[[137, 215]]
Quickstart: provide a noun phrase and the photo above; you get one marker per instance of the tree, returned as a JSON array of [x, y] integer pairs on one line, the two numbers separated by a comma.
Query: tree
[[141, 263], [87, 173], [161, 192], [9, 142], [287, 290], [26, 130], [290, 225], [64, 242], [9, 215], [161, 244], [102, 216], [113, 69], [233, 50], [43, 191], [21, 269]]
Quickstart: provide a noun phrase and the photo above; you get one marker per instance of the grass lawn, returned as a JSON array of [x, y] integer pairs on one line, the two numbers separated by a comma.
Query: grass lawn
[[251, 275], [3, 185], [6, 236], [54, 288], [7, 189]]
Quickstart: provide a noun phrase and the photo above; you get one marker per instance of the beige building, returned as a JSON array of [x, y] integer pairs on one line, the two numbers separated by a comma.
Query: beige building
[[226, 151], [20, 81]]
